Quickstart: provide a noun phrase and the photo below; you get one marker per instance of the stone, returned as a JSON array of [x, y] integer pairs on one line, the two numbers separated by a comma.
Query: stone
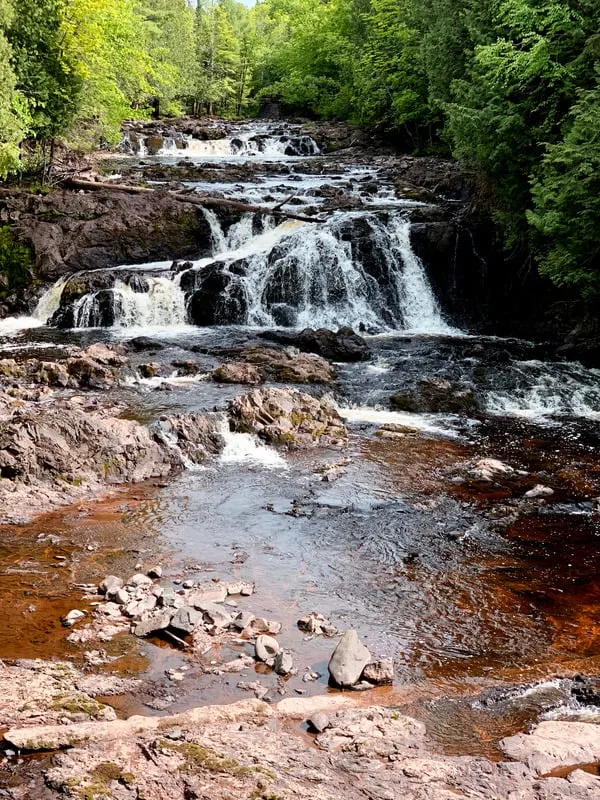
[[155, 572], [154, 621], [238, 372], [436, 395], [208, 593], [288, 417], [349, 659], [186, 619], [379, 672], [242, 620], [317, 624], [215, 614], [266, 648], [319, 721], [488, 469], [110, 585], [345, 345], [539, 490], [284, 663], [555, 744], [139, 579], [122, 597], [72, 617], [262, 625], [245, 588]]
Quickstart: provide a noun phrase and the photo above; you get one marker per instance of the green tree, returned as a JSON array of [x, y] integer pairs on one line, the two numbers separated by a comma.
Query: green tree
[[11, 123]]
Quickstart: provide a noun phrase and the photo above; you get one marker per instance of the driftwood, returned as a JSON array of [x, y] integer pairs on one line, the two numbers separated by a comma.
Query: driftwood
[[198, 200]]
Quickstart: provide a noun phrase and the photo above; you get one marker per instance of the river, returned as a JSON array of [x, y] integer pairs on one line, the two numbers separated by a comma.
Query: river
[[474, 590]]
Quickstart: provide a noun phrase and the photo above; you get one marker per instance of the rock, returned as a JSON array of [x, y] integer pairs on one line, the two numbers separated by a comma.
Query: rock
[[155, 572], [266, 648], [539, 491], [555, 744], [141, 343], [139, 580], [284, 663], [186, 619], [316, 623], [488, 469], [215, 614], [349, 659], [345, 345], [262, 625], [72, 617], [244, 588], [155, 621], [288, 417], [110, 585], [237, 372], [208, 593], [379, 672], [122, 597], [319, 721], [242, 620], [438, 396]]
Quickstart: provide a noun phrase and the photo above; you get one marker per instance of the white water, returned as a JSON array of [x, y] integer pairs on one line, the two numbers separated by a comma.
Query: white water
[[433, 424], [245, 448]]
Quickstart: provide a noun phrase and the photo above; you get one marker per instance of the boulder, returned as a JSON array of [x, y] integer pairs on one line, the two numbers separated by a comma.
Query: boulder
[[215, 614], [237, 372], [348, 661], [539, 491], [283, 367], [319, 722], [284, 663], [437, 396], [152, 622], [490, 469], [110, 585], [288, 417], [345, 345], [555, 744]]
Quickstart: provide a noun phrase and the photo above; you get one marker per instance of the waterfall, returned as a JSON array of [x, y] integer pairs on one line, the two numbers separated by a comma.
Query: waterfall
[[49, 302], [162, 305], [358, 269]]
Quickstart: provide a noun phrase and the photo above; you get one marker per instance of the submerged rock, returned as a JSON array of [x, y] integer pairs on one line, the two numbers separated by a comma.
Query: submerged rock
[[288, 417], [348, 661], [437, 396]]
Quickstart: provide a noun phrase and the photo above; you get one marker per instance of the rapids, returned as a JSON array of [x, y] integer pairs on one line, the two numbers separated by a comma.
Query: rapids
[[467, 586]]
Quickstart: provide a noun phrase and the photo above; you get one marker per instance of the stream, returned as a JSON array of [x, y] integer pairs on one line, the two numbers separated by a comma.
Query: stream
[[485, 599]]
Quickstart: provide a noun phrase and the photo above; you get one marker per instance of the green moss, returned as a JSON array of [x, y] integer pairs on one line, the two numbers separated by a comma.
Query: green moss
[[198, 758], [107, 771], [16, 263], [78, 705], [88, 791]]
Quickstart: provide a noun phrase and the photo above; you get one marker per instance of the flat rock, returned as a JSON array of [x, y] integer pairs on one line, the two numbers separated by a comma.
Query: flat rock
[[186, 619], [348, 661], [379, 672], [208, 593], [155, 621], [555, 744], [215, 614]]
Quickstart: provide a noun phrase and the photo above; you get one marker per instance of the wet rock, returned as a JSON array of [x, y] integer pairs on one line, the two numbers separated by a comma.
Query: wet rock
[[149, 370], [139, 580], [141, 343], [152, 622], [237, 372], [284, 663], [262, 625], [317, 624], [284, 367], [72, 617], [345, 345], [490, 469], [266, 648], [243, 620], [244, 588], [319, 722], [208, 593], [110, 585], [155, 572], [555, 744], [348, 661], [185, 620], [438, 396], [539, 491], [288, 417], [379, 672], [215, 614]]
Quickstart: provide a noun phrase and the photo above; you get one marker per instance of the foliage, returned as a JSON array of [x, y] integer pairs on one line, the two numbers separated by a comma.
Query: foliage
[[12, 126]]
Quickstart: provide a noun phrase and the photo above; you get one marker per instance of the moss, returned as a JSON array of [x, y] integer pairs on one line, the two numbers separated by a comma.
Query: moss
[[198, 758], [88, 791], [107, 771], [16, 262], [78, 705]]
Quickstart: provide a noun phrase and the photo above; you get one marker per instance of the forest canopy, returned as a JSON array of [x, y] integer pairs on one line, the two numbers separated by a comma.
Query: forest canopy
[[509, 87]]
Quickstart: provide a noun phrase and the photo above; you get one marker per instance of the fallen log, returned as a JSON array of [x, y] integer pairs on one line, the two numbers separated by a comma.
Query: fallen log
[[198, 200]]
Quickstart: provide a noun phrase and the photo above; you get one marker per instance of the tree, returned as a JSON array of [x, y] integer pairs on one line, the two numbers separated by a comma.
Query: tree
[[11, 123]]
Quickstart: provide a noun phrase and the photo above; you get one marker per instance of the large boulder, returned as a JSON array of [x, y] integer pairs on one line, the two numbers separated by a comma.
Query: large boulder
[[348, 661], [343, 345], [437, 396], [288, 417]]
